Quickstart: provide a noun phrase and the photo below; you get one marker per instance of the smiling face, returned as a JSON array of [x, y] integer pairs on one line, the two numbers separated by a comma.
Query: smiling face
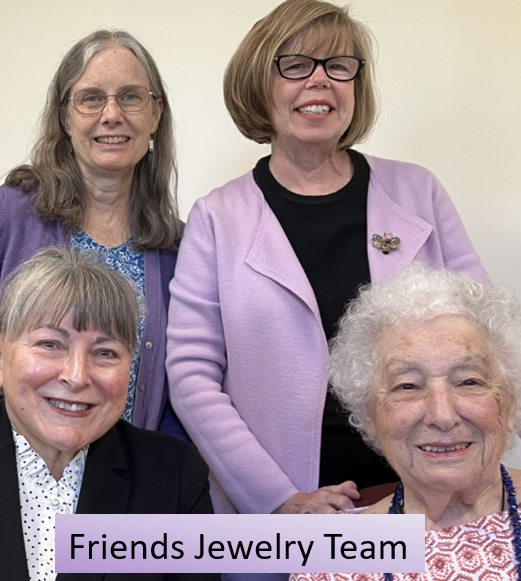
[[440, 409], [63, 388], [112, 142], [313, 111]]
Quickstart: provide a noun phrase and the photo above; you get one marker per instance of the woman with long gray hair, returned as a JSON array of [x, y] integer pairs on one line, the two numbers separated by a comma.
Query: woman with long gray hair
[[103, 176]]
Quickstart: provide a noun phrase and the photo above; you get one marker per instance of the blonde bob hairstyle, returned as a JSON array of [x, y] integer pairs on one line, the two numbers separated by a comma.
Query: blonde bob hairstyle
[[309, 26], [59, 280]]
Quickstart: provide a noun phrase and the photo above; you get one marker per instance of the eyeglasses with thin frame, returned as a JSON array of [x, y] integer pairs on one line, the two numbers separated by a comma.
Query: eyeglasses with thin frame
[[129, 99], [300, 66]]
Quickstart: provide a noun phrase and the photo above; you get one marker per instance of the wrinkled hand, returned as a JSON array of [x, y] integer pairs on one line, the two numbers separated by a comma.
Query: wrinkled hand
[[325, 500]]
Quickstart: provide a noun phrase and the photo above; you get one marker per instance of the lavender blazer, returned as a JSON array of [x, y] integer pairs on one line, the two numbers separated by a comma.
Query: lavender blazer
[[247, 353], [22, 234]]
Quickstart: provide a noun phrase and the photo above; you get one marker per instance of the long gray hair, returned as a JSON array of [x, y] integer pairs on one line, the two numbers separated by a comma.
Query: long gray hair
[[56, 176], [419, 294]]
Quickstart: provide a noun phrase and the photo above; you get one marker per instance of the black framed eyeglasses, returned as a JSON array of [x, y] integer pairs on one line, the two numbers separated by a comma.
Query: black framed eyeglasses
[[299, 66], [129, 99]]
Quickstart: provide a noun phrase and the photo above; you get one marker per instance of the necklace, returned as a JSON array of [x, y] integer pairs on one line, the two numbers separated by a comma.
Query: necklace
[[508, 486]]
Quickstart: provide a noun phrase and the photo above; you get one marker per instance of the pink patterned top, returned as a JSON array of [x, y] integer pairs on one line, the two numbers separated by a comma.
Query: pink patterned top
[[481, 550]]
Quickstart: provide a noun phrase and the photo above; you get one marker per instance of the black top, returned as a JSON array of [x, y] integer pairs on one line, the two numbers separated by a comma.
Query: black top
[[329, 236]]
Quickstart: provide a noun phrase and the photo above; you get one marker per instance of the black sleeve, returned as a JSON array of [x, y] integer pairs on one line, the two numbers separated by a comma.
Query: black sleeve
[[194, 492], [194, 488]]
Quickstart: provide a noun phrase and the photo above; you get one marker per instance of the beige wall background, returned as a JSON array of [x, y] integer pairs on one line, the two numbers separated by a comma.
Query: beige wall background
[[449, 73]]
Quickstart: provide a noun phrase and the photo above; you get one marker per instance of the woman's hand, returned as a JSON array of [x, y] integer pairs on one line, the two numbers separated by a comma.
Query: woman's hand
[[325, 500]]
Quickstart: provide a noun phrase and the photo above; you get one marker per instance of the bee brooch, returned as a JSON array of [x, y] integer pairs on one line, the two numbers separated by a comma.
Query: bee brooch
[[386, 243]]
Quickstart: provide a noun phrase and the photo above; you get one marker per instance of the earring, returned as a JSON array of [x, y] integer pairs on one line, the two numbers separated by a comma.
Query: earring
[[151, 145]]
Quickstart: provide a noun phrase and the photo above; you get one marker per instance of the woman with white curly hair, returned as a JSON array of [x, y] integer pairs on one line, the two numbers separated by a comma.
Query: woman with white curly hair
[[429, 367]]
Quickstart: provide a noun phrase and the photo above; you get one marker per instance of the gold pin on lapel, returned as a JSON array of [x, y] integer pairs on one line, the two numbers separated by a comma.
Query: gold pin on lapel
[[386, 243]]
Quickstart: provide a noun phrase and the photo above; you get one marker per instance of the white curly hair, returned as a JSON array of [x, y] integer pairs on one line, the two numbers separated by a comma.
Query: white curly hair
[[419, 294]]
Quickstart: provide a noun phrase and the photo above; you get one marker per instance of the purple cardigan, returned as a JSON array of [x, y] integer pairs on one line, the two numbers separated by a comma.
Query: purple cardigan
[[22, 234], [247, 353]]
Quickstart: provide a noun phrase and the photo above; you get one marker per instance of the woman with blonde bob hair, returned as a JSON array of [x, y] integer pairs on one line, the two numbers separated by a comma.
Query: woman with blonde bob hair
[[103, 177], [316, 26], [429, 366], [269, 261]]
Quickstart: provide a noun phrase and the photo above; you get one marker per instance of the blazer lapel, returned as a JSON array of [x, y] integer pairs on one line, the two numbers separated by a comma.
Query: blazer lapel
[[13, 561], [384, 215], [104, 489], [273, 256]]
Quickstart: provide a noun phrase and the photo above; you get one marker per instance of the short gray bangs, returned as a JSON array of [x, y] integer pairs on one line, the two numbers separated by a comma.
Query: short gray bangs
[[45, 289]]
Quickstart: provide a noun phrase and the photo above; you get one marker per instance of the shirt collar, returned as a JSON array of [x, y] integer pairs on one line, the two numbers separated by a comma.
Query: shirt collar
[[31, 467]]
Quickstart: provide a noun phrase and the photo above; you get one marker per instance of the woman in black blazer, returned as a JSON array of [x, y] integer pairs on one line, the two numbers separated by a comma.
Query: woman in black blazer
[[68, 328]]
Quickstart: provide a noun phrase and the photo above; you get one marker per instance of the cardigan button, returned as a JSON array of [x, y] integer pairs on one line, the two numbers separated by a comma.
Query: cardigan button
[[148, 345], [141, 387]]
